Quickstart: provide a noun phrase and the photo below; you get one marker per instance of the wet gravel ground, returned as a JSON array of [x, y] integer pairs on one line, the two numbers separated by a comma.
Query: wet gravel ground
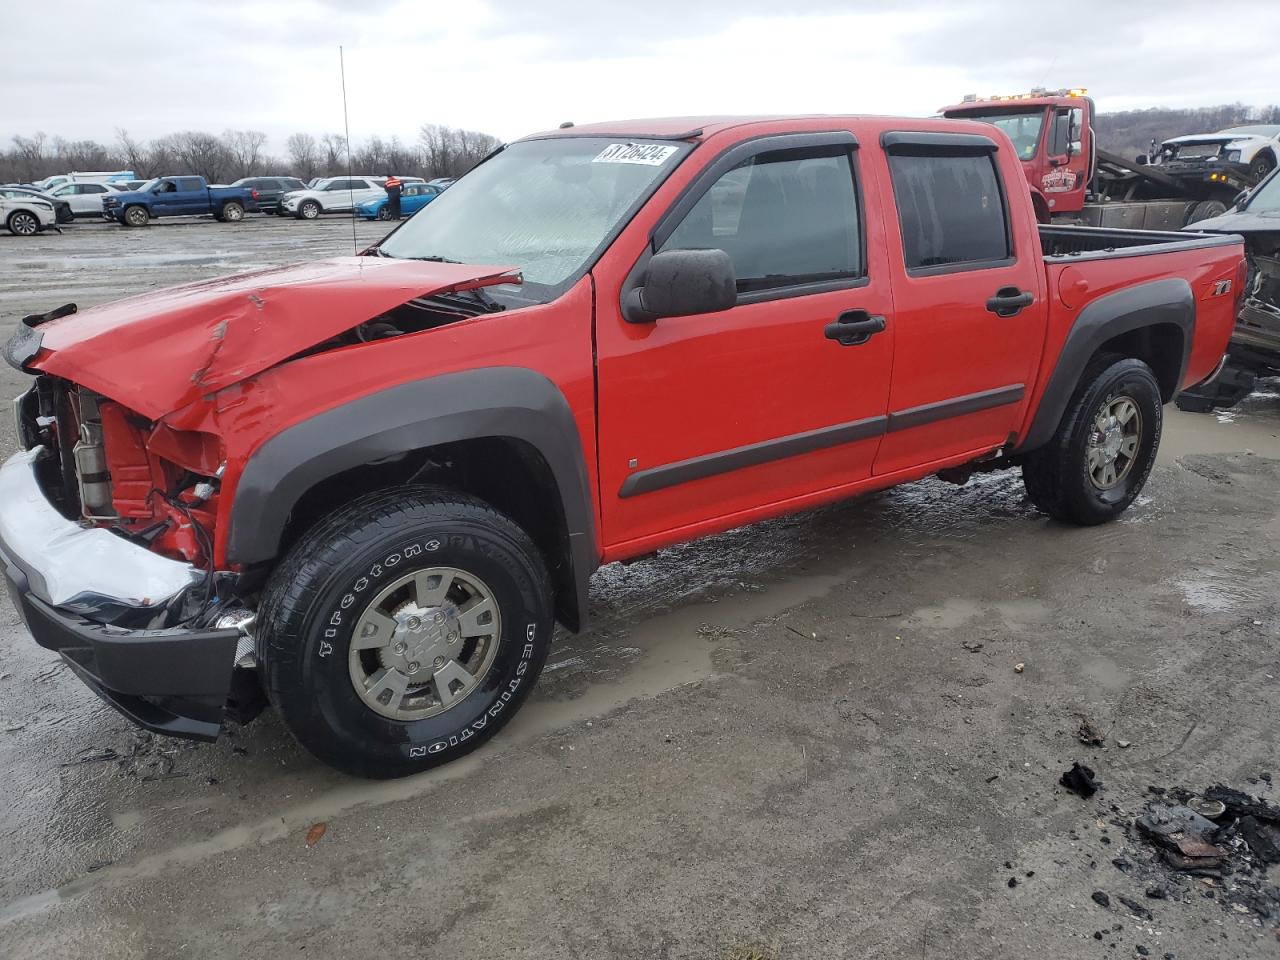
[[805, 738]]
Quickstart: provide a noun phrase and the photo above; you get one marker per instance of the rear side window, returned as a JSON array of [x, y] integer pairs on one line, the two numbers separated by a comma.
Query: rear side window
[[786, 217], [950, 207], [188, 184]]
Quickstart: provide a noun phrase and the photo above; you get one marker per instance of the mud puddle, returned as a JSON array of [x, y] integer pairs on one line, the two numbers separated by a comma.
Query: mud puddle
[[667, 652]]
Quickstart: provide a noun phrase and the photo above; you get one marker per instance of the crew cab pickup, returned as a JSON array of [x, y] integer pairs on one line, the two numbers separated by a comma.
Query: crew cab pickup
[[369, 486], [178, 197]]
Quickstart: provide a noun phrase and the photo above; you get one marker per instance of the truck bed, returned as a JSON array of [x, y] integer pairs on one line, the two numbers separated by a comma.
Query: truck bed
[[1063, 243]]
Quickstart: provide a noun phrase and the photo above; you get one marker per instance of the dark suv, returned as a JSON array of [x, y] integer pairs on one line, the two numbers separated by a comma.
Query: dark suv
[[270, 190]]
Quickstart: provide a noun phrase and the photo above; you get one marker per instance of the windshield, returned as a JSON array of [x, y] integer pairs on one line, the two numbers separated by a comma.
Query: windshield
[[1266, 198], [1022, 126], [545, 206], [148, 185]]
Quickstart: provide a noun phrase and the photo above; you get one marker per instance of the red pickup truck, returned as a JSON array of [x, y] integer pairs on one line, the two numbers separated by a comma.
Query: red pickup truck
[[369, 486]]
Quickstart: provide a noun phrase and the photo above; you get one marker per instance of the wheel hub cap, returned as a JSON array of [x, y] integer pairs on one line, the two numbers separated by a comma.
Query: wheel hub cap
[[1113, 442], [424, 643]]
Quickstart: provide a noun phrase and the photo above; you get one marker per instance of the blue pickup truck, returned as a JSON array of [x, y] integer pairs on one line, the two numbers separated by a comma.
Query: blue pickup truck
[[178, 197]]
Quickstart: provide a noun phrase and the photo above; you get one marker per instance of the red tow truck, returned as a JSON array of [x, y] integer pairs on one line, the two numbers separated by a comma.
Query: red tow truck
[[1072, 180], [369, 486]]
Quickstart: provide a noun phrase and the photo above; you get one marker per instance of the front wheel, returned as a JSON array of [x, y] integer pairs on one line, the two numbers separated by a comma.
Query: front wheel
[[23, 223], [384, 213], [136, 216], [1261, 165], [405, 630], [308, 210], [1102, 452]]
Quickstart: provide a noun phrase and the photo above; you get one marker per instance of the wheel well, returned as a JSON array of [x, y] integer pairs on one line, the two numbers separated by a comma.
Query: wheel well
[[508, 474], [1160, 346]]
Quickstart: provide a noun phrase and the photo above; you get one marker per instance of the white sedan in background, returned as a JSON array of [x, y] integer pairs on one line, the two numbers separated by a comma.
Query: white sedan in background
[[25, 217]]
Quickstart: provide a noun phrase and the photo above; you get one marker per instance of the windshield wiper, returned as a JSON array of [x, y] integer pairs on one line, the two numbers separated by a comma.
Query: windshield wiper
[[477, 296], [434, 259]]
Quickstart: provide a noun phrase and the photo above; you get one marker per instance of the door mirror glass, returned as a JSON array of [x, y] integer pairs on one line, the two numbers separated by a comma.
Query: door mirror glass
[[679, 283]]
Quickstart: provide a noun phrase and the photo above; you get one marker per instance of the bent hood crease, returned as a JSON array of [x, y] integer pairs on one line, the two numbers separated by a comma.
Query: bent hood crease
[[160, 351]]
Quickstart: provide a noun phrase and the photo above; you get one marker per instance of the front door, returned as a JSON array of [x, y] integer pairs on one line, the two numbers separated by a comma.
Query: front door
[[716, 419]]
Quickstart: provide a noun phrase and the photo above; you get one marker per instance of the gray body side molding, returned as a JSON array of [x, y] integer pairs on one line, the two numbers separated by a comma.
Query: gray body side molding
[[1166, 301], [498, 402]]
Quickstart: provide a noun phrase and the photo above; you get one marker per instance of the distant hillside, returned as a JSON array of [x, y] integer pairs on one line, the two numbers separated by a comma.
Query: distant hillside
[[1130, 132]]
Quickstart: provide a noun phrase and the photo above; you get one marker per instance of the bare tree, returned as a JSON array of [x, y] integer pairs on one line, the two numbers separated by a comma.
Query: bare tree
[[451, 152], [29, 154], [244, 150], [200, 153], [334, 148], [304, 154]]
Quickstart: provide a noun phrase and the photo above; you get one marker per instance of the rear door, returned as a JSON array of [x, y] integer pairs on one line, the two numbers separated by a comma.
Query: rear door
[[717, 418], [968, 299], [193, 196]]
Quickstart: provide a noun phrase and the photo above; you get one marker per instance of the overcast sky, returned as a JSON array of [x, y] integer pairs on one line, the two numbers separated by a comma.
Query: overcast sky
[[82, 68]]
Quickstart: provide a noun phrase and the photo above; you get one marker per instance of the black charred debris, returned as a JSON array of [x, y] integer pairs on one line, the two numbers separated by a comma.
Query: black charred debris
[[1216, 844]]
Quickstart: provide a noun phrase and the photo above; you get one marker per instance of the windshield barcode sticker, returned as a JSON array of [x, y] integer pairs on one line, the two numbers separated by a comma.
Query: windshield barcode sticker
[[650, 154]]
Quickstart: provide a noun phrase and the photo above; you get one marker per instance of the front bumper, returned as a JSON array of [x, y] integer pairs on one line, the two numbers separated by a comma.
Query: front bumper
[[73, 585]]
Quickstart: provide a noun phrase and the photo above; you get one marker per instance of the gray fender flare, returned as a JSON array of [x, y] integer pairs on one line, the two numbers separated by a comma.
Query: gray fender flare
[[1168, 301], [491, 402]]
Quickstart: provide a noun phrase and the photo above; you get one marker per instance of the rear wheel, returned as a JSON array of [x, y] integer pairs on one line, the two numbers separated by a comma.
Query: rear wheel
[[1204, 210], [23, 223], [136, 216], [1102, 452], [405, 630], [232, 212], [308, 210]]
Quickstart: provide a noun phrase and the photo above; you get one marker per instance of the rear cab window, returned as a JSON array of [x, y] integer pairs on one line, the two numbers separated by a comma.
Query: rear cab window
[[952, 208]]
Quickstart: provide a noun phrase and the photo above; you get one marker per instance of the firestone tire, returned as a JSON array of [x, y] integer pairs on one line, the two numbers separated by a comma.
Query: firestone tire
[[1060, 477], [335, 575]]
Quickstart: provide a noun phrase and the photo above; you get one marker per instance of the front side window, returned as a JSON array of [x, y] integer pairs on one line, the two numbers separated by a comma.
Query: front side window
[[544, 206], [785, 218], [950, 207]]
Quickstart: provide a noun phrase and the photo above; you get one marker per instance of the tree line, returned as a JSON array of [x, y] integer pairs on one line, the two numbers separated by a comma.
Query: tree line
[[1130, 132], [440, 151]]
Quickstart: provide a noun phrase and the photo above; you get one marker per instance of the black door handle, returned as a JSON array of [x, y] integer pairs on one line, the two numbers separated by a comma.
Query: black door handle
[[853, 327], [1009, 302]]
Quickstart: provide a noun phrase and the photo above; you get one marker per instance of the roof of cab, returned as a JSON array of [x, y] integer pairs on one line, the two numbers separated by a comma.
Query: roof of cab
[[702, 128]]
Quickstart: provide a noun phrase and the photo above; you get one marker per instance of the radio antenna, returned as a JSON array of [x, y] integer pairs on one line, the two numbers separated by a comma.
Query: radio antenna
[[346, 129]]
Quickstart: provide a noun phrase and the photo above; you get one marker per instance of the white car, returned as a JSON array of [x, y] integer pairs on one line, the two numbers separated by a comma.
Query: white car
[[335, 195], [1257, 146], [85, 198], [26, 217]]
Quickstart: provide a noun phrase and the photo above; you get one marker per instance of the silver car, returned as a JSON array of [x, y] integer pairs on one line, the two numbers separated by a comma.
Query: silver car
[[25, 217]]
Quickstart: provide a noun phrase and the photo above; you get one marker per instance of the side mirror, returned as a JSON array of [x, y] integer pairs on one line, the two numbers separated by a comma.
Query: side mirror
[[1141, 159], [1241, 197], [679, 283]]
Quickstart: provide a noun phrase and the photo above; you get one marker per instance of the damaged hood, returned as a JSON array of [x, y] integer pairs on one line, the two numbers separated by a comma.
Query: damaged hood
[[1208, 139], [1243, 223], [160, 351]]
